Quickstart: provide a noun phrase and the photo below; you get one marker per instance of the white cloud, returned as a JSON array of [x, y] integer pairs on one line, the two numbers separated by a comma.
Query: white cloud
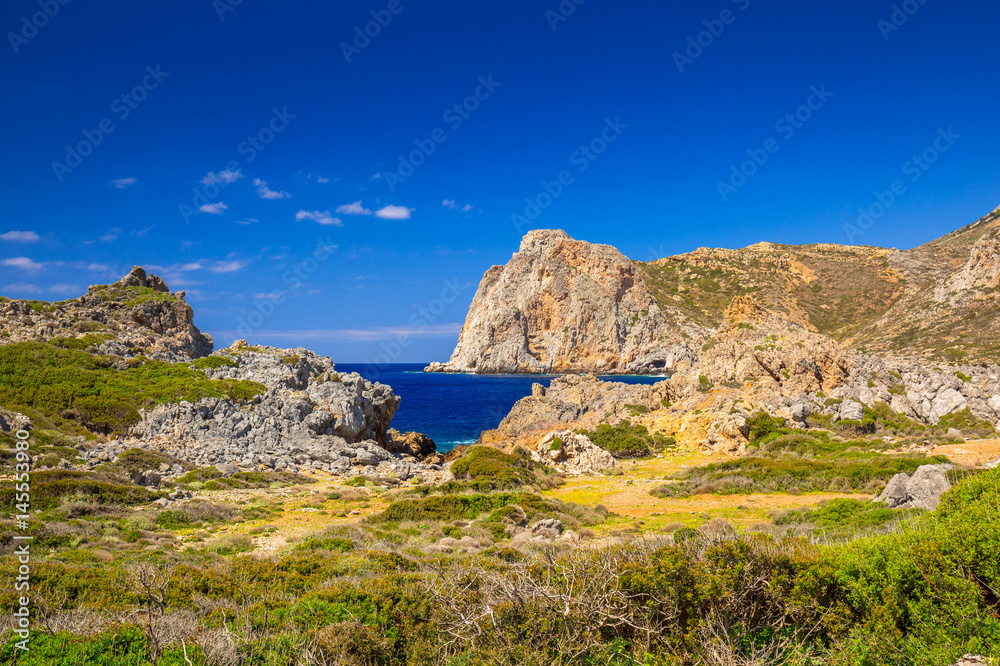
[[265, 192], [100, 268], [63, 288], [221, 177], [111, 235], [321, 217], [466, 208], [449, 203], [20, 236], [353, 209], [227, 266], [142, 232], [321, 179], [24, 263], [214, 209], [21, 287], [122, 183], [249, 220], [394, 213]]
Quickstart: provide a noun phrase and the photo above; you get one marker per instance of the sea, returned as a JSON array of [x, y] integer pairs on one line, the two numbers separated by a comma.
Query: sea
[[454, 409]]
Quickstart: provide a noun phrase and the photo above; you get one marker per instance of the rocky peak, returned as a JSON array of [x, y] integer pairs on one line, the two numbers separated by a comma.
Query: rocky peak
[[536, 239], [136, 315], [137, 278], [562, 305]]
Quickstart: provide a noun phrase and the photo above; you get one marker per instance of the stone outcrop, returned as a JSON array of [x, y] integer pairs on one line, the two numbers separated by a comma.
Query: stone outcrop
[[565, 306], [581, 400], [921, 490], [137, 315], [758, 346], [310, 417], [572, 454], [981, 270]]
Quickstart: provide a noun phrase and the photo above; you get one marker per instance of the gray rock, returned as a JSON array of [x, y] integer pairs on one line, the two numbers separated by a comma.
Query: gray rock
[[227, 469], [922, 490], [547, 528], [801, 411], [852, 410], [954, 433]]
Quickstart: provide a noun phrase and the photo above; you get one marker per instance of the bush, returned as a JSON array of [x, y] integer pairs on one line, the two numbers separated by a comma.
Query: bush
[[72, 384], [626, 440], [763, 424], [492, 469]]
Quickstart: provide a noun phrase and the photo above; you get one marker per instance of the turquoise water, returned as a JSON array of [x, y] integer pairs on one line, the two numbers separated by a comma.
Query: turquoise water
[[455, 409]]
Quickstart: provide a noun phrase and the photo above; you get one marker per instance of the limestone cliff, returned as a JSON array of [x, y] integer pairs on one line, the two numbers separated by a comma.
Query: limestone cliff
[[566, 306]]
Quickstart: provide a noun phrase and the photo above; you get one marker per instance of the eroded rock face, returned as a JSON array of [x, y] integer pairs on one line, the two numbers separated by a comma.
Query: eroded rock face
[[310, 416], [755, 345], [572, 454], [565, 306], [921, 490], [135, 315], [982, 269]]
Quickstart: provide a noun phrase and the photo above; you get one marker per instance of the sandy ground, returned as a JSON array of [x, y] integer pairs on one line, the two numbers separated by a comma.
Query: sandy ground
[[973, 453]]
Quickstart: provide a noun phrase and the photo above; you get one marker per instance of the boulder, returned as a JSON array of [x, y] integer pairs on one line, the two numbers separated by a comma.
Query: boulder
[[921, 490], [572, 454], [547, 528], [852, 410]]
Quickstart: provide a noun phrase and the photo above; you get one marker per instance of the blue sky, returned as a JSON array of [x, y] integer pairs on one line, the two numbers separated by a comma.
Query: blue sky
[[254, 159]]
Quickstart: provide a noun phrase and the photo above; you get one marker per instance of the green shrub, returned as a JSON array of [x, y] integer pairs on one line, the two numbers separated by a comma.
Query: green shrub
[[763, 424], [494, 468], [213, 362], [72, 384]]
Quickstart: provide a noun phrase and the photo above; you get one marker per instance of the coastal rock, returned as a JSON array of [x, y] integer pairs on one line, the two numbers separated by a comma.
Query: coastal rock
[[572, 454], [581, 400], [310, 415], [415, 444], [565, 306]]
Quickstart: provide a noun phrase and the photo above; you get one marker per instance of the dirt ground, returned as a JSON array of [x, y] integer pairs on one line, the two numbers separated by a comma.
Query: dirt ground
[[974, 453]]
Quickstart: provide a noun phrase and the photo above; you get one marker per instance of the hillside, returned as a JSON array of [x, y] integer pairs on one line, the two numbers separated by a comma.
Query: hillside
[[563, 305]]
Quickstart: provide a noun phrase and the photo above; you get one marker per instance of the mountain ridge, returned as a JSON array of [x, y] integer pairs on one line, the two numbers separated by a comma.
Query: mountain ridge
[[937, 301]]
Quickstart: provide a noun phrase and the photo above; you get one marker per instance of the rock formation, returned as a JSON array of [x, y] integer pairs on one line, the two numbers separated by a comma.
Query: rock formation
[[565, 306], [136, 315], [311, 417], [572, 454], [921, 490], [580, 400]]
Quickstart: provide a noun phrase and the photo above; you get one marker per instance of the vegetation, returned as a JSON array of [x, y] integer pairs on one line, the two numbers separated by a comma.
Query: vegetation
[[70, 385], [626, 440], [921, 594]]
